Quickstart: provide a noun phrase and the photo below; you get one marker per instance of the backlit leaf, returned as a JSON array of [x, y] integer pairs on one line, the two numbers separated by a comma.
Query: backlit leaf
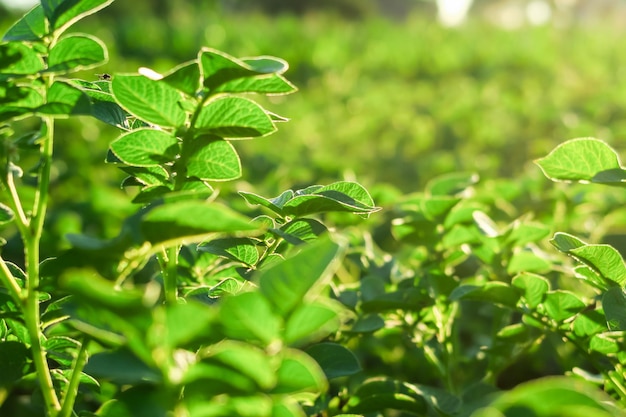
[[76, 52], [213, 159], [581, 159], [145, 147], [151, 101], [561, 305], [64, 13], [237, 249], [534, 287], [31, 27], [234, 117]]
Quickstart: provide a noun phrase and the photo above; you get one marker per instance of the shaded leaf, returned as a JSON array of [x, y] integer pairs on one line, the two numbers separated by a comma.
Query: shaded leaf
[[335, 360], [190, 218], [614, 306]]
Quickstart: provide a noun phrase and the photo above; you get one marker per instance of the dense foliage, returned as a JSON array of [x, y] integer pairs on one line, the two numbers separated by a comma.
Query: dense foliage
[[193, 293]]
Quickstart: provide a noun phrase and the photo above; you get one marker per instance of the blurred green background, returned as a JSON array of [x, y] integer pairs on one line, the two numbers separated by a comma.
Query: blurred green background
[[388, 94]]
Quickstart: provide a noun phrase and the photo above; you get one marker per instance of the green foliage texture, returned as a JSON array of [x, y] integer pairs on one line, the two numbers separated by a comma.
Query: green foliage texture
[[195, 294]]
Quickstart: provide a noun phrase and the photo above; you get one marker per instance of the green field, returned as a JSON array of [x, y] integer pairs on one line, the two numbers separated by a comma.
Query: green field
[[418, 258]]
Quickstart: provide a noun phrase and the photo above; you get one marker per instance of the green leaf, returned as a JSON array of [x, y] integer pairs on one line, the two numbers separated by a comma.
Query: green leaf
[[62, 349], [527, 261], [64, 100], [582, 159], [76, 52], [152, 175], [554, 396], [17, 59], [15, 362], [266, 64], [234, 117], [368, 323], [606, 343], [605, 259], [495, 292], [523, 233], [6, 215], [378, 394], [286, 284], [287, 407], [270, 85], [88, 285], [310, 322], [64, 13], [614, 306], [121, 366], [191, 218], [31, 27], [151, 101], [335, 360], [245, 359], [218, 67], [343, 196], [213, 159], [298, 372], [300, 231], [589, 323], [142, 400], [534, 287], [249, 317], [185, 77], [560, 305], [451, 184], [566, 242], [237, 249], [274, 204], [146, 147], [196, 318]]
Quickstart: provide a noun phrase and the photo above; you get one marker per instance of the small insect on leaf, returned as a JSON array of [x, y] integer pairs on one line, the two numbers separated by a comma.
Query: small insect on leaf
[[105, 77]]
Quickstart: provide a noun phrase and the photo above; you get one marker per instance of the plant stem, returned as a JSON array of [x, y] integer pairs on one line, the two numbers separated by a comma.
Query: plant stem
[[32, 239], [168, 260], [72, 388], [8, 280]]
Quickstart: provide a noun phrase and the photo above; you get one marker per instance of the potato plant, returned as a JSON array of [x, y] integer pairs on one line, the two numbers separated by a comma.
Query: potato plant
[[246, 305]]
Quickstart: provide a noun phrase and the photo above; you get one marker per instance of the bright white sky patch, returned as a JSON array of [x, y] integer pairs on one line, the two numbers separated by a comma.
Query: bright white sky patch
[[453, 12], [19, 4]]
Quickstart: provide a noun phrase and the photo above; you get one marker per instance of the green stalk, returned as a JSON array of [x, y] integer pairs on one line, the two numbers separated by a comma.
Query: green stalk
[[72, 389], [168, 261], [30, 305], [8, 280]]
